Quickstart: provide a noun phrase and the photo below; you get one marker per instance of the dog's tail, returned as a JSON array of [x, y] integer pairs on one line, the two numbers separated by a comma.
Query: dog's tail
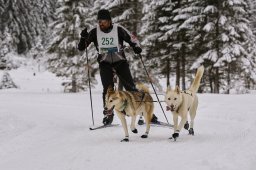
[[196, 83], [142, 87]]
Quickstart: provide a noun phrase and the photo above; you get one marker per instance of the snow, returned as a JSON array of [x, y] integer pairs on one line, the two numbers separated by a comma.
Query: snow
[[44, 129], [208, 27]]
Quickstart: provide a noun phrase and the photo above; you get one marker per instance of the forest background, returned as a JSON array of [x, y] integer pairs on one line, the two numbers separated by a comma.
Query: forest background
[[176, 37]]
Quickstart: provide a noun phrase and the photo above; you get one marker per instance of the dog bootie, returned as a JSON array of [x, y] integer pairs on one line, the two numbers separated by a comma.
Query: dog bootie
[[174, 136], [126, 139], [141, 121], [144, 136], [191, 131], [154, 119], [186, 126], [135, 131]]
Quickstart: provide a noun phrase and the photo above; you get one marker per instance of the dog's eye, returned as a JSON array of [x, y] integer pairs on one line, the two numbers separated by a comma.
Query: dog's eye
[[111, 101], [169, 98], [175, 98]]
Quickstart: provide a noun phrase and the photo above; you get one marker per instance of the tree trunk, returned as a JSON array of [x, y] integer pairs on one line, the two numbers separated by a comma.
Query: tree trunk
[[228, 79], [73, 84], [247, 82], [168, 70], [183, 74], [216, 81], [211, 83], [217, 76], [178, 71], [211, 79]]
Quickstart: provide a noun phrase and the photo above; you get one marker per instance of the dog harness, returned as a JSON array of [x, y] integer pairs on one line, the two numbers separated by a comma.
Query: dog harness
[[122, 109], [187, 93], [125, 103], [142, 97]]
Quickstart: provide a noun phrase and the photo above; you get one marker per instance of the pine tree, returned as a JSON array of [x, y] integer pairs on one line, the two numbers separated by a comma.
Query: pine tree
[[252, 4], [187, 27], [46, 9], [7, 82], [24, 22], [5, 43], [250, 81], [226, 36], [250, 67], [2, 16], [97, 5], [178, 24], [127, 13], [23, 25], [66, 60], [157, 16], [197, 22]]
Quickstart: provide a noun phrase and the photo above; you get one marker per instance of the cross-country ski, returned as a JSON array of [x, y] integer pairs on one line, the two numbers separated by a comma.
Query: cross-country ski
[[102, 126]]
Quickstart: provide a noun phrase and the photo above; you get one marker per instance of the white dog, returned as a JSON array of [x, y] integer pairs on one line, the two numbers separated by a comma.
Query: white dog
[[182, 102]]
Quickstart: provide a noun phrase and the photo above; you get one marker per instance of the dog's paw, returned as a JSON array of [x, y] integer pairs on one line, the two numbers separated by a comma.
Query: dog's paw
[[135, 131], [144, 136], [186, 126], [125, 140], [191, 131], [175, 136]]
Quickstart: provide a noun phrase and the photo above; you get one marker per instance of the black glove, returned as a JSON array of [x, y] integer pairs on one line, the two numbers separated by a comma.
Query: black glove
[[137, 50], [84, 33]]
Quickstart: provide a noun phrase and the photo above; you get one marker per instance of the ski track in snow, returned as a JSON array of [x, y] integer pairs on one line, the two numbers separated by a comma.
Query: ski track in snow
[[44, 131]]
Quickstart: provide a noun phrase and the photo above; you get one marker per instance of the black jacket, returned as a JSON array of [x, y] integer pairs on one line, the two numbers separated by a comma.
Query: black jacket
[[123, 35]]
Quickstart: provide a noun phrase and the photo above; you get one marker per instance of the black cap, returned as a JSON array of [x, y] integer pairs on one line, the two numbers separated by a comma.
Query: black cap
[[104, 14]]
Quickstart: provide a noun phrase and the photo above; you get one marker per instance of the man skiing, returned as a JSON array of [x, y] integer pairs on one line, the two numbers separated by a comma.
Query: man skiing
[[108, 39]]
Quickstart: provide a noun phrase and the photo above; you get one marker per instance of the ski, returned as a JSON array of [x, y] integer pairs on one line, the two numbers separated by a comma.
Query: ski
[[103, 126], [158, 124], [161, 124]]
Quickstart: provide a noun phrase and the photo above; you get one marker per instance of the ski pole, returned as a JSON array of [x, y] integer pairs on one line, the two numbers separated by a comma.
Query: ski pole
[[153, 87], [89, 79]]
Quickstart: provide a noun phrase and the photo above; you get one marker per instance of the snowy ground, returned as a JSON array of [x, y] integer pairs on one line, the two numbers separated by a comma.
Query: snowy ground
[[42, 128]]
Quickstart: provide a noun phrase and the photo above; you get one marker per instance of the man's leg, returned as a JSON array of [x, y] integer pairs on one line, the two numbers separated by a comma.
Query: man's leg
[[125, 76], [106, 74]]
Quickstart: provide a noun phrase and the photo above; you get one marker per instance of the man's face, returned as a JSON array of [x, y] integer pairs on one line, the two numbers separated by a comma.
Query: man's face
[[104, 24]]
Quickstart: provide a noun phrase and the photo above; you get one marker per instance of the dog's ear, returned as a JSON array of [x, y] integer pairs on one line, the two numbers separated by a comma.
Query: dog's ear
[[177, 89], [117, 93], [110, 89]]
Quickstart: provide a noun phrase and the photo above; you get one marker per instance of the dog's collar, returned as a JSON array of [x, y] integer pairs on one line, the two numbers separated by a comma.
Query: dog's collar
[[123, 107]]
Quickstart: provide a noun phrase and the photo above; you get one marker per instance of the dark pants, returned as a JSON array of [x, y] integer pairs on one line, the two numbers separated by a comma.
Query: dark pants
[[123, 72]]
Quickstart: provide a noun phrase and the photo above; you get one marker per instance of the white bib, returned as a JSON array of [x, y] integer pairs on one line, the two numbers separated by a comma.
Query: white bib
[[108, 42]]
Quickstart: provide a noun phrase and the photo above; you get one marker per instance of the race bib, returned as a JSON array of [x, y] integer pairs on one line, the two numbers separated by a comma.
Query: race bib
[[108, 42]]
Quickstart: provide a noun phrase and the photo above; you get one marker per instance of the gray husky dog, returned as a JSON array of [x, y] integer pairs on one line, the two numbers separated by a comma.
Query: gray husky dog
[[128, 103]]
